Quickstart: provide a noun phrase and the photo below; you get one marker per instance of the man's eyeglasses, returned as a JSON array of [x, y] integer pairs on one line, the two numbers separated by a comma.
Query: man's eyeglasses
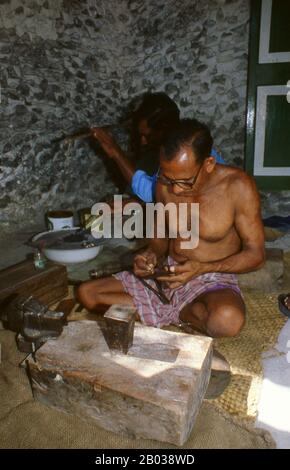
[[187, 184]]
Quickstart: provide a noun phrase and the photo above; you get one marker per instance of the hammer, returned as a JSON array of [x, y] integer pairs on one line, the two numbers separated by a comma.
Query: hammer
[[89, 132]]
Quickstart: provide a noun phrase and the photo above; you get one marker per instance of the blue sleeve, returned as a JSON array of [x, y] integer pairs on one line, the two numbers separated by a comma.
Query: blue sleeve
[[143, 185], [217, 156]]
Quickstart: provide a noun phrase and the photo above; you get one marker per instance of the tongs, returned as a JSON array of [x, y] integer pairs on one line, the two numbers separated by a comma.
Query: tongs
[[157, 291]]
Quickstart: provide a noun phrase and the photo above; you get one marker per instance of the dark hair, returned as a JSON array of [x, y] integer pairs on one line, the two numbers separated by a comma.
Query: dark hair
[[192, 133], [159, 110]]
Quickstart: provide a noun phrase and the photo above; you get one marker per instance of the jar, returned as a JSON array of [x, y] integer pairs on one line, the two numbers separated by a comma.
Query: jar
[[39, 260]]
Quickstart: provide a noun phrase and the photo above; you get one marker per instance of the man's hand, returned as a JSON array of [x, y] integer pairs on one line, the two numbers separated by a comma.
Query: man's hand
[[107, 142], [180, 274], [144, 263]]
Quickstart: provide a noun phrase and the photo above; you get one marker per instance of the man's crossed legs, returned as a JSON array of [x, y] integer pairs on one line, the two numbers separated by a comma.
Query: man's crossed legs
[[218, 313]]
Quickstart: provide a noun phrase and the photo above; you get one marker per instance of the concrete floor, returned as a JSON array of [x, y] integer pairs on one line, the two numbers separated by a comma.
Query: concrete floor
[[273, 410]]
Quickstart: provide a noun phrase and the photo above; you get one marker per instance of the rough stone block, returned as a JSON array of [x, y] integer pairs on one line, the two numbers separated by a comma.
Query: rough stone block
[[154, 392]]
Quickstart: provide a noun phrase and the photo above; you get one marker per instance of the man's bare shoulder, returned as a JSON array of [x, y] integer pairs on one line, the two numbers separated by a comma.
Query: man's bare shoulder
[[239, 182]]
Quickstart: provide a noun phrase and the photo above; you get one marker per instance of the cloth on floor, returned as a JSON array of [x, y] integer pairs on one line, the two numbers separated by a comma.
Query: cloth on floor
[[279, 222]]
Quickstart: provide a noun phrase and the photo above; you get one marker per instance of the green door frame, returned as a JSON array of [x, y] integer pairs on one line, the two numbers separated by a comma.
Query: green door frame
[[261, 75]]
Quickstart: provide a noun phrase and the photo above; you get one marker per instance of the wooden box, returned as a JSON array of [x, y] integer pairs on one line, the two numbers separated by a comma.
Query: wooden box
[[47, 285]]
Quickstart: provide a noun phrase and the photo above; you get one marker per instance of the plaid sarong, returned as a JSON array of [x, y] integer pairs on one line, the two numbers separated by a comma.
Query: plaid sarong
[[153, 312]]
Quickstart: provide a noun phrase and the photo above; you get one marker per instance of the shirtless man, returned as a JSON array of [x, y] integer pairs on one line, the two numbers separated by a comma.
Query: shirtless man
[[200, 284]]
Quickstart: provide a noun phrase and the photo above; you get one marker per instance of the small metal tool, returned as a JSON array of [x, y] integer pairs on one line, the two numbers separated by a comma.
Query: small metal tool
[[157, 291]]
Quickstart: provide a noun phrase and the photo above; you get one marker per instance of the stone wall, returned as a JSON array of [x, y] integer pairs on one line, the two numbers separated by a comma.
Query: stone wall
[[197, 52], [60, 72], [68, 64]]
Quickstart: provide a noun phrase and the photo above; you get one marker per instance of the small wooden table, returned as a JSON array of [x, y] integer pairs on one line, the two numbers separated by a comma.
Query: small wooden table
[[47, 285]]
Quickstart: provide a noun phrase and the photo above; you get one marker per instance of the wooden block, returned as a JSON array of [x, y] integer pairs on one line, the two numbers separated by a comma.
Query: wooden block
[[47, 285], [154, 392]]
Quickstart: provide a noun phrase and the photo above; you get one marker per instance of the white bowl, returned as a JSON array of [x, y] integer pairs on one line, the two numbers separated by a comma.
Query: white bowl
[[71, 255]]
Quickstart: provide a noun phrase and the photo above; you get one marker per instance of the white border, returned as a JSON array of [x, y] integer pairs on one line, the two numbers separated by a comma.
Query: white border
[[259, 169], [264, 55]]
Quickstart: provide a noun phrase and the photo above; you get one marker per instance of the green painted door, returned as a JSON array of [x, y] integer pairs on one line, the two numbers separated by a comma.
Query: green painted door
[[268, 110]]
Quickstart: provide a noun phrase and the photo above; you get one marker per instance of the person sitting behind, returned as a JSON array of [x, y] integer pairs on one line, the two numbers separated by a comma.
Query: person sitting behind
[[153, 120]]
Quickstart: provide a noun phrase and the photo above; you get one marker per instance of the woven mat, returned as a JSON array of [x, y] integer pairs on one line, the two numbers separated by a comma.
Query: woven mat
[[263, 325]]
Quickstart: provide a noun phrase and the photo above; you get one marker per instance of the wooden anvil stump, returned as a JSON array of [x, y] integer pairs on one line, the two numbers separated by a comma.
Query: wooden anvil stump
[[153, 392]]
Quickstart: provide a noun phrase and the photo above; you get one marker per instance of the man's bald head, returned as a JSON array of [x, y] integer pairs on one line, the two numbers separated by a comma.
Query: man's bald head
[[188, 133]]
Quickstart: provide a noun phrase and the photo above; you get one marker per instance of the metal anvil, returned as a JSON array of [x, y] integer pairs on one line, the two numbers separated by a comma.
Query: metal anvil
[[119, 327]]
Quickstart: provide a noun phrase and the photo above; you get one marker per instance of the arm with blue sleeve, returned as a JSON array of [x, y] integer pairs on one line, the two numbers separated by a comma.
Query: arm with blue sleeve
[[143, 185]]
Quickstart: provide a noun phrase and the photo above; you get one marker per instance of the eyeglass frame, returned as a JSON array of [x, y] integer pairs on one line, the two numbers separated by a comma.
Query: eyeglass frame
[[168, 182]]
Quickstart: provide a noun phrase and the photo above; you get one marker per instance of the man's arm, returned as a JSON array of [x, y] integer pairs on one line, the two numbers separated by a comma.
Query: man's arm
[[112, 149], [146, 262], [142, 185], [159, 246], [249, 226]]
